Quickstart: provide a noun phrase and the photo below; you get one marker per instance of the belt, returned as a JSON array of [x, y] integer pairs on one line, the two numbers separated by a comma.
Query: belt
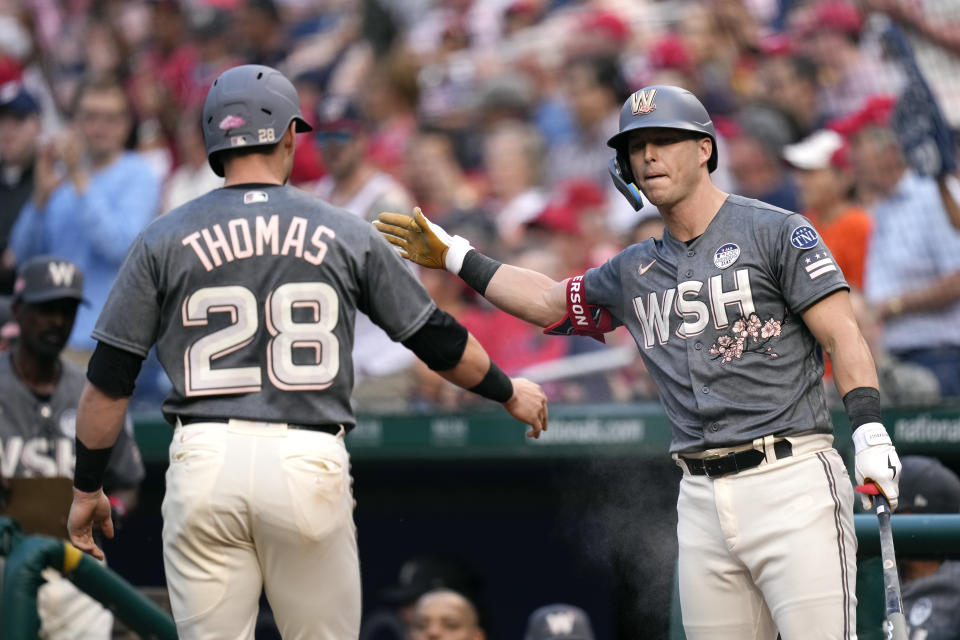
[[721, 465], [332, 429]]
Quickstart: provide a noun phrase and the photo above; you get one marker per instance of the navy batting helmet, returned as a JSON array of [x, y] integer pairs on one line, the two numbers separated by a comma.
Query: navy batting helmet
[[660, 106], [248, 106]]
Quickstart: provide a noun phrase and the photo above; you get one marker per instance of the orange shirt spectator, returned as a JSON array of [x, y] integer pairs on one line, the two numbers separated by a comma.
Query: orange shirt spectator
[[823, 175]]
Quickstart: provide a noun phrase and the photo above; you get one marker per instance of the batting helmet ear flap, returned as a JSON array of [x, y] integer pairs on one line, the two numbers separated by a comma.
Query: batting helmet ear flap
[[623, 180]]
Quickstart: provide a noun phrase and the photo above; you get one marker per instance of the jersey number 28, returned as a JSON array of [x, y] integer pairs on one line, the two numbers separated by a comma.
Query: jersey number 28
[[321, 301]]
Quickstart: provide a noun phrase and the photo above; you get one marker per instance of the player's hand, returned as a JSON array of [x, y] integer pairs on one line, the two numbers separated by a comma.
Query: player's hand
[[87, 510], [877, 461], [528, 404], [423, 242]]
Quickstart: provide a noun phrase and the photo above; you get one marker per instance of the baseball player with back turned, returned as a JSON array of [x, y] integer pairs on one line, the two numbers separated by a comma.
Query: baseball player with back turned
[[249, 293], [729, 311]]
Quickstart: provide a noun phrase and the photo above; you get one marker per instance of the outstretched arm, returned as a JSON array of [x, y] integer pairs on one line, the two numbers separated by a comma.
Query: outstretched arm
[[526, 294], [444, 345]]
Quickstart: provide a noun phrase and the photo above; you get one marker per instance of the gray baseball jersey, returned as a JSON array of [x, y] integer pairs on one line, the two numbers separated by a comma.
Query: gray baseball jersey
[[37, 435], [717, 323], [932, 604], [250, 294]]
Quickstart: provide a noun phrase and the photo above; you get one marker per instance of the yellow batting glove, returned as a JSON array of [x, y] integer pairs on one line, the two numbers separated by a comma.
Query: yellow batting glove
[[422, 241]]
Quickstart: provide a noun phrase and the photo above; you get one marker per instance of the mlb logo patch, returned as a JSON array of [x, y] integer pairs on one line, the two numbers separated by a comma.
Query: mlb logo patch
[[253, 197], [238, 141], [804, 237], [726, 255]]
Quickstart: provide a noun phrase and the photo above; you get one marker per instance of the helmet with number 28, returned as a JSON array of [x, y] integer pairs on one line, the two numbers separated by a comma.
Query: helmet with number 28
[[248, 106]]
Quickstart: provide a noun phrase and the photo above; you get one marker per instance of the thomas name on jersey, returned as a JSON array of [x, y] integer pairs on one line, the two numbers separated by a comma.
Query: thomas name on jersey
[[257, 236], [654, 312]]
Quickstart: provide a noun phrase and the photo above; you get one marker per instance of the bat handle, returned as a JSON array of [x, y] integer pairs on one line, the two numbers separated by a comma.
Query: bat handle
[[897, 627]]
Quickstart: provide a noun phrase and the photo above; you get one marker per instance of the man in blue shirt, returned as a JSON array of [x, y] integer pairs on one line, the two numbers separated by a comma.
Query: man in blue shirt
[[90, 199], [912, 273]]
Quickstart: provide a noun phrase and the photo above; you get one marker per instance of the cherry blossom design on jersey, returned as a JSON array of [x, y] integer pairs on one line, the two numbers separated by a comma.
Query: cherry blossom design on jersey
[[747, 335]]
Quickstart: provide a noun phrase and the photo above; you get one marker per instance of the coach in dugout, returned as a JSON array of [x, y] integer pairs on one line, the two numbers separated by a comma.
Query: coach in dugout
[[38, 408], [931, 586]]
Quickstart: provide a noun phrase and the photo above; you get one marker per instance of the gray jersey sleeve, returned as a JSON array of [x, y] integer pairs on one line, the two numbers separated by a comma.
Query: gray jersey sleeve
[[390, 294], [603, 287], [802, 264], [130, 317]]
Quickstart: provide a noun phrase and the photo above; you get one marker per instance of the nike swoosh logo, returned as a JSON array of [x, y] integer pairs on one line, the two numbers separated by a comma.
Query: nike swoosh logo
[[187, 436], [643, 269]]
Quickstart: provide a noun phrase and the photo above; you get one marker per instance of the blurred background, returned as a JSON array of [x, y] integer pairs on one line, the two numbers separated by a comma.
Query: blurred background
[[493, 116]]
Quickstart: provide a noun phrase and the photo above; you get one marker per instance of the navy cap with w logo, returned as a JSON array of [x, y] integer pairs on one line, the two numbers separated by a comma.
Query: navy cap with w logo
[[45, 278]]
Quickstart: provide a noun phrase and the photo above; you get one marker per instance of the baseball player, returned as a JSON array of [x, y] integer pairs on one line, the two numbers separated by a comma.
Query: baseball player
[[38, 409], [729, 310], [249, 293]]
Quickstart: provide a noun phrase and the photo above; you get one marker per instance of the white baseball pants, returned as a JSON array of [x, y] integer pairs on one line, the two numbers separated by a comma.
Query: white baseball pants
[[771, 548], [252, 505]]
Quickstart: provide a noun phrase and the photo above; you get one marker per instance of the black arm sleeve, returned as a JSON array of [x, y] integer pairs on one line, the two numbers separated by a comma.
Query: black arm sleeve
[[440, 342], [114, 371]]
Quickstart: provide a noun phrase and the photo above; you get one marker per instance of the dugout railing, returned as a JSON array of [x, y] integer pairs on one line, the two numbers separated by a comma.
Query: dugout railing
[[27, 556]]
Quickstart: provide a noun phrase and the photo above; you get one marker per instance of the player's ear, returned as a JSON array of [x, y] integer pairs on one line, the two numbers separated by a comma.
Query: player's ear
[[706, 150], [289, 137]]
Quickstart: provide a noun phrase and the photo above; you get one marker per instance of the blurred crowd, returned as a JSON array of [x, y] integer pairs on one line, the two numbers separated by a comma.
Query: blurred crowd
[[493, 116]]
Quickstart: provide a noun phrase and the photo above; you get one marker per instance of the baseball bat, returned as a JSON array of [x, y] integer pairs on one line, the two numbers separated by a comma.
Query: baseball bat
[[897, 629]]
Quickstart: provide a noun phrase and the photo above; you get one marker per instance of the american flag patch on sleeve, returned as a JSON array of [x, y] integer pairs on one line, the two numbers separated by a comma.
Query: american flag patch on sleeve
[[819, 264]]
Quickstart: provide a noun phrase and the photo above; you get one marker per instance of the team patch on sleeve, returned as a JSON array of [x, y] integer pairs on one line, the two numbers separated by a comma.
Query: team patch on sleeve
[[818, 264], [804, 237]]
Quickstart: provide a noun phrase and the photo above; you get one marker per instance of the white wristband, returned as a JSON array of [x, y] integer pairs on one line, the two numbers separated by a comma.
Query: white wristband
[[456, 252], [868, 435]]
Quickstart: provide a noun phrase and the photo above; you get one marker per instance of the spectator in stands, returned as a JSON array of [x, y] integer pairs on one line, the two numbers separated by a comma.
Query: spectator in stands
[[790, 84], [92, 213], [390, 96], [559, 622], [436, 178], [20, 129], [755, 163], [912, 275], [512, 158], [381, 366], [931, 586], [849, 70], [264, 40], [594, 89], [822, 171], [38, 408], [932, 28], [444, 614], [352, 181], [193, 177]]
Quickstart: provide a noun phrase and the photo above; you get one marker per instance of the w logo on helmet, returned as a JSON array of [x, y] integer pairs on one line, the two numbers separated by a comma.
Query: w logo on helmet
[[641, 102]]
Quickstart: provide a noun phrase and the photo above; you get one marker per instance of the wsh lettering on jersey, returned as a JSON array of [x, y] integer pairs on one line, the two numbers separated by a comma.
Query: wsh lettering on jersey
[[36, 457], [686, 301]]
